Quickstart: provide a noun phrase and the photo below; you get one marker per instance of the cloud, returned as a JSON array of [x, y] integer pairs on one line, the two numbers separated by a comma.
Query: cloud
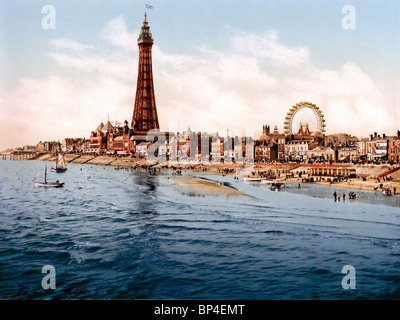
[[55, 108], [268, 46], [349, 98], [116, 32], [70, 44]]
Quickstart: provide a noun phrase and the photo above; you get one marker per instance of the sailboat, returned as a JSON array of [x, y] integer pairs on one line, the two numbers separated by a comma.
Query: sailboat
[[56, 184], [60, 164]]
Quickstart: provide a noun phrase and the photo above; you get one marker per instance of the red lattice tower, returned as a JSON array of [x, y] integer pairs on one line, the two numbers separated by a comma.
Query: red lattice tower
[[145, 112]]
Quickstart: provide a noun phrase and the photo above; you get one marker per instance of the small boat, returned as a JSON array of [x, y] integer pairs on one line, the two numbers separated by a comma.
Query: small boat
[[252, 179], [275, 182], [56, 184], [60, 164], [267, 181]]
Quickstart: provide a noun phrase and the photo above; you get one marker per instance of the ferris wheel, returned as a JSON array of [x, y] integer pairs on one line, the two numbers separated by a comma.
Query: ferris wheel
[[304, 118]]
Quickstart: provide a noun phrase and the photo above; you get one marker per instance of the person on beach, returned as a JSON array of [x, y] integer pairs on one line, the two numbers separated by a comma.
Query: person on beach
[[335, 195], [344, 197]]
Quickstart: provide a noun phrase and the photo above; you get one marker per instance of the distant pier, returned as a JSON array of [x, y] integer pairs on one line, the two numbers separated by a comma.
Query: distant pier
[[19, 156]]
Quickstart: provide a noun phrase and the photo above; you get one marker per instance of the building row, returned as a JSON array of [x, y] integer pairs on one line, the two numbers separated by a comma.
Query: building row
[[196, 146], [271, 146]]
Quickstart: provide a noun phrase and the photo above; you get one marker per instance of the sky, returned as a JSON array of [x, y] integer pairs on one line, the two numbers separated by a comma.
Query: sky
[[217, 65]]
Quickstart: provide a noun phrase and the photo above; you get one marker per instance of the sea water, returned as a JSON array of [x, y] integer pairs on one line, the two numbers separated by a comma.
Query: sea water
[[126, 234]]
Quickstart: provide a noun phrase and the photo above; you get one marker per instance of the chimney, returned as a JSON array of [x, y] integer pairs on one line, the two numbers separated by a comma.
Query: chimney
[[375, 134]]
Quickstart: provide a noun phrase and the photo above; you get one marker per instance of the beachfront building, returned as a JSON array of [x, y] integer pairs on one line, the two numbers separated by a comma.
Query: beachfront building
[[162, 149], [187, 145], [27, 149], [321, 154], [340, 140], [97, 142], [265, 151], [142, 149], [183, 146], [120, 144], [71, 145], [48, 146], [84, 146], [119, 140], [377, 148], [244, 149], [217, 148], [394, 148], [229, 149], [204, 141], [98, 138], [347, 154], [362, 148], [381, 148], [297, 149], [173, 147], [239, 151], [275, 138], [346, 172], [40, 147], [370, 149]]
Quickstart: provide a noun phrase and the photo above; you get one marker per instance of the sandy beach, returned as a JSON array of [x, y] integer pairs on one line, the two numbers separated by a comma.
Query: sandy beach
[[370, 173]]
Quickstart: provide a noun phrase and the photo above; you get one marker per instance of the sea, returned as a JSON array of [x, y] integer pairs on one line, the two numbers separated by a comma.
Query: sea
[[116, 233]]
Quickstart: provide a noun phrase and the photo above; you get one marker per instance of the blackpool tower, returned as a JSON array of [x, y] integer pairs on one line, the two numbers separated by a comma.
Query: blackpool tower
[[145, 112]]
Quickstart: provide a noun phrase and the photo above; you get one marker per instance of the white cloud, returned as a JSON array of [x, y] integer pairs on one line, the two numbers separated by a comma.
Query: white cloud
[[268, 46], [55, 108], [116, 32], [70, 44]]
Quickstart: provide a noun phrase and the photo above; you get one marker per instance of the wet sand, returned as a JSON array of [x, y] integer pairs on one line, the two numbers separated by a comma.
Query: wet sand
[[197, 186]]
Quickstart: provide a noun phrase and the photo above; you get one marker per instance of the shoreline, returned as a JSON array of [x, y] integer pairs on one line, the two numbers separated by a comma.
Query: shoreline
[[369, 172]]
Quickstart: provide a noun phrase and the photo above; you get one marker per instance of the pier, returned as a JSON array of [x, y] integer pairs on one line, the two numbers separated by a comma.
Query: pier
[[19, 156]]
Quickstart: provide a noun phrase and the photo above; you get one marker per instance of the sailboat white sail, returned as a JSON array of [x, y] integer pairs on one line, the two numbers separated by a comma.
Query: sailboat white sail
[[60, 164]]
